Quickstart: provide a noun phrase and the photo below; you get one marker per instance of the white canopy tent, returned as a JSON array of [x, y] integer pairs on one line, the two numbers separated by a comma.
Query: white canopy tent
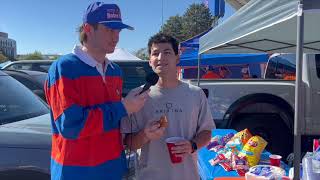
[[264, 26], [237, 4], [271, 26], [121, 54]]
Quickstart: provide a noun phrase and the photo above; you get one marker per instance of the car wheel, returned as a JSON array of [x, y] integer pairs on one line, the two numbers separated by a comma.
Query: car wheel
[[271, 128]]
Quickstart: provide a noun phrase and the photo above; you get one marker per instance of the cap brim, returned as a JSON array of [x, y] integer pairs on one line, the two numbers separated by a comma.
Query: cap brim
[[117, 25]]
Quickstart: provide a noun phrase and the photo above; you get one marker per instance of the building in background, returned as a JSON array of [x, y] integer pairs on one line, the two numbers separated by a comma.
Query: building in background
[[8, 46]]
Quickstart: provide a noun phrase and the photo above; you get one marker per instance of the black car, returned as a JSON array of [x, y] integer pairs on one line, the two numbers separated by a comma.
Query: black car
[[33, 80], [32, 65], [134, 74]]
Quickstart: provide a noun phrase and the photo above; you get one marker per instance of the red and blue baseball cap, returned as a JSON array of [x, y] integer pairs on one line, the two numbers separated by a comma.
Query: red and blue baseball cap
[[106, 14]]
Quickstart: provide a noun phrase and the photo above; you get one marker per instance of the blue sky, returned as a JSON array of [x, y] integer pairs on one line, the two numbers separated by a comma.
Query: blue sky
[[49, 26]]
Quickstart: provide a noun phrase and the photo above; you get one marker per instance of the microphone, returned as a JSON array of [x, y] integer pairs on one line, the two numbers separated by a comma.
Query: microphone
[[151, 79]]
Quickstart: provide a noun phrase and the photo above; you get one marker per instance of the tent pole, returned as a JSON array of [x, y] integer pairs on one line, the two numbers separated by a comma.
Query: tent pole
[[198, 78], [298, 111]]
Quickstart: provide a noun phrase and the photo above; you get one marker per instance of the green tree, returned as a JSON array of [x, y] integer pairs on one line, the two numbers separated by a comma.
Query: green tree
[[36, 55], [142, 53], [54, 57], [3, 58], [173, 27], [195, 20]]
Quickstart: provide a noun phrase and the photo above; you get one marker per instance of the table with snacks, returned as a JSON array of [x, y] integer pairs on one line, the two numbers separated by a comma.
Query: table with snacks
[[207, 156]]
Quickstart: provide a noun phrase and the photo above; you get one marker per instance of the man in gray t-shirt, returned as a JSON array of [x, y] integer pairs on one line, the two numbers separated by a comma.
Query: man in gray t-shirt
[[186, 109]]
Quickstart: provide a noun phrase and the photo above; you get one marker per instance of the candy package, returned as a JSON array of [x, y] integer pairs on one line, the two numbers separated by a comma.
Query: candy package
[[226, 166], [226, 152], [215, 141], [239, 163], [235, 144], [218, 159], [226, 138], [243, 135], [264, 172], [241, 172], [217, 149]]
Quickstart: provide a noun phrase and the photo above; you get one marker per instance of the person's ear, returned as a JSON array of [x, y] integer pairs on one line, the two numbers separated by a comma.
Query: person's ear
[[178, 59], [86, 28]]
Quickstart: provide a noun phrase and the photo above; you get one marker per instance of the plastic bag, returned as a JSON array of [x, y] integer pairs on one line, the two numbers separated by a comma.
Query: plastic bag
[[253, 149]]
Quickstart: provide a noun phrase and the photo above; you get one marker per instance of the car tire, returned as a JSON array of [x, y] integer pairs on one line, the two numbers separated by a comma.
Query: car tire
[[270, 127]]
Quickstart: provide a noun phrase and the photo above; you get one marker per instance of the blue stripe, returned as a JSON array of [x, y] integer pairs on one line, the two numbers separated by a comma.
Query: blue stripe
[[54, 128], [72, 121], [111, 170], [70, 66], [113, 113], [115, 71]]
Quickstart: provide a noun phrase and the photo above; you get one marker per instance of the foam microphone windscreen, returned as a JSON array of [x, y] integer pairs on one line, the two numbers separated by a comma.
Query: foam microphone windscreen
[[151, 80]]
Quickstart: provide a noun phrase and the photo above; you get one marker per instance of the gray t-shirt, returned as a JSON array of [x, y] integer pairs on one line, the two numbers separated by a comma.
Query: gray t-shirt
[[188, 113]]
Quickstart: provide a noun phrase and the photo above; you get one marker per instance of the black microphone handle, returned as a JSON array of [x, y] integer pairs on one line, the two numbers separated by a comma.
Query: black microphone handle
[[145, 87]]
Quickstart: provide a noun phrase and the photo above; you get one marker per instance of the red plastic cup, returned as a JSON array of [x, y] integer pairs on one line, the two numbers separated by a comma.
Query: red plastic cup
[[316, 144], [275, 160], [171, 143]]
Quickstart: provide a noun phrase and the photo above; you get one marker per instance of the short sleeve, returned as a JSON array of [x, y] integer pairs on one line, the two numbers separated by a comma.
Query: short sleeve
[[205, 120]]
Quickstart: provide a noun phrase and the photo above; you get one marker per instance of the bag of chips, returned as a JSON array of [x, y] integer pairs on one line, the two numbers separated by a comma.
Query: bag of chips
[[253, 149], [243, 135]]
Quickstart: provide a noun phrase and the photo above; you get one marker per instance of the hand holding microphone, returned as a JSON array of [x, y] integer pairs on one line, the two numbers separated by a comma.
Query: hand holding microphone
[[136, 98]]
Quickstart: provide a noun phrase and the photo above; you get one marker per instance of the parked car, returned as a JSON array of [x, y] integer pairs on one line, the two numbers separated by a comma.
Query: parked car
[[266, 106], [4, 63], [32, 65], [34, 80], [25, 142], [134, 73]]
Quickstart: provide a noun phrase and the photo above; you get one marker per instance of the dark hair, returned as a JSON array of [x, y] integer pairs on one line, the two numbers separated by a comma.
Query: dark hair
[[83, 35], [163, 38]]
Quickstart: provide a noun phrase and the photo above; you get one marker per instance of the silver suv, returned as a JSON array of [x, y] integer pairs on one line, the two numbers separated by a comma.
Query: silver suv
[[25, 142]]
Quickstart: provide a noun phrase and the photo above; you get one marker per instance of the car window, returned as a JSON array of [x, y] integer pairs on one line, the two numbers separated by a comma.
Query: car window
[[19, 67], [281, 66], [17, 102], [40, 79], [25, 81], [134, 74], [40, 67], [45, 66]]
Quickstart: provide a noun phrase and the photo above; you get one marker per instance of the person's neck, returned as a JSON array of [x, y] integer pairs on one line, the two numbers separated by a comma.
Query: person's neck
[[165, 82], [99, 57]]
